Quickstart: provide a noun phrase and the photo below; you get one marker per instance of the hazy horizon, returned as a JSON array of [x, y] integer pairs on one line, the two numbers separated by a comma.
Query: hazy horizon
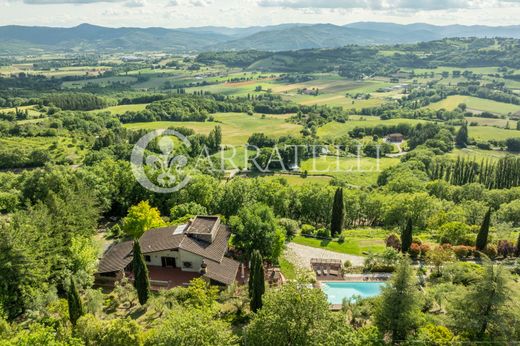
[[247, 13]]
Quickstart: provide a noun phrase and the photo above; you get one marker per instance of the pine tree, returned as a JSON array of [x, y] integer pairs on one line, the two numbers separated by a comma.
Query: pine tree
[[256, 281], [462, 136], [338, 213], [74, 302], [407, 236], [398, 310], [141, 279], [482, 237]]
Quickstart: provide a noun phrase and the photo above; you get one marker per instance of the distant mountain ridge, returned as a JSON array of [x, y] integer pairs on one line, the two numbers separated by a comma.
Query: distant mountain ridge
[[282, 37]]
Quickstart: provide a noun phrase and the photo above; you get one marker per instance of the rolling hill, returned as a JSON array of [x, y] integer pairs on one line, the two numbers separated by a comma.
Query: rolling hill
[[23, 39]]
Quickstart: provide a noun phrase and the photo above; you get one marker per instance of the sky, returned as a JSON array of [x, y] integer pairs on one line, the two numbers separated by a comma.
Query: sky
[[242, 13]]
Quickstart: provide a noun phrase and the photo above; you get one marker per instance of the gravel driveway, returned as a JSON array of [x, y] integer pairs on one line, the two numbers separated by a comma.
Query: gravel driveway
[[301, 255]]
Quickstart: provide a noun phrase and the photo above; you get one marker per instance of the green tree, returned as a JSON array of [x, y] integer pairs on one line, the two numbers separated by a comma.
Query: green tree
[[338, 213], [74, 302], [122, 332], [462, 136], [142, 218], [141, 279], [488, 309], [255, 228], [398, 309], [296, 315], [407, 236], [256, 281], [482, 237], [189, 326]]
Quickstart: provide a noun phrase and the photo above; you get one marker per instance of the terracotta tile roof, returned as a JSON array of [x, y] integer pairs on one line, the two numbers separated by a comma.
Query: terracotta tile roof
[[160, 239], [224, 272], [214, 251], [116, 258]]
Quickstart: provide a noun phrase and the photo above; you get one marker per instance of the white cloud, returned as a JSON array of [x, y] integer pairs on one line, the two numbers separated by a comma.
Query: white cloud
[[378, 5]]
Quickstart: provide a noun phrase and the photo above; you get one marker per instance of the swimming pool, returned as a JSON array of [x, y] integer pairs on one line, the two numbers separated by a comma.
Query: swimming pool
[[337, 291]]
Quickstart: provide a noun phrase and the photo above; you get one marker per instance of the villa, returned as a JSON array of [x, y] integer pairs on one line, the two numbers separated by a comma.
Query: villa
[[175, 255]]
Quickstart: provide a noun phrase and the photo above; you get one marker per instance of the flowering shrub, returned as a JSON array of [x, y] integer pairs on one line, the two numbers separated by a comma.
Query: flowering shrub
[[415, 250], [425, 248], [462, 251]]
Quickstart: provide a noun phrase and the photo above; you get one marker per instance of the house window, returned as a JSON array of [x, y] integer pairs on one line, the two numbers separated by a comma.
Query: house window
[[147, 258], [187, 264]]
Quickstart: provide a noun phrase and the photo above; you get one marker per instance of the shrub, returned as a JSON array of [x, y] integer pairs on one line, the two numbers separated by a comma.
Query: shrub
[[454, 233], [461, 251], [425, 248], [291, 227], [308, 230], [491, 251], [414, 251], [417, 240], [341, 238], [505, 248], [323, 233], [384, 262], [393, 241]]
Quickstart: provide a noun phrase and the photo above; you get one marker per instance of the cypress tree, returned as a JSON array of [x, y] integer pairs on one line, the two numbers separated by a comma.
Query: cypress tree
[[256, 281], [141, 279], [518, 247], [74, 302], [338, 213], [407, 236], [462, 136], [482, 237]]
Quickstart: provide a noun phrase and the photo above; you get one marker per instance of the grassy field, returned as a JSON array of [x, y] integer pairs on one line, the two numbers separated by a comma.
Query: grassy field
[[296, 180], [476, 104], [102, 82], [115, 110], [61, 149], [487, 133], [477, 154], [334, 129], [30, 109], [356, 242], [236, 127], [491, 122]]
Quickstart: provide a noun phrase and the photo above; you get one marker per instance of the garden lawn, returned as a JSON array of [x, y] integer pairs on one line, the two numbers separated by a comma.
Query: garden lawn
[[287, 268], [356, 242]]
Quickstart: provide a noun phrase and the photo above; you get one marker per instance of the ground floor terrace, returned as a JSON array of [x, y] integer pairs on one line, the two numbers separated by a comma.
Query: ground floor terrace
[[164, 278]]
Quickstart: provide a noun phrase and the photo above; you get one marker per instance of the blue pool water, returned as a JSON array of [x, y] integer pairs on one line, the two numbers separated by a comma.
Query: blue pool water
[[336, 291]]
